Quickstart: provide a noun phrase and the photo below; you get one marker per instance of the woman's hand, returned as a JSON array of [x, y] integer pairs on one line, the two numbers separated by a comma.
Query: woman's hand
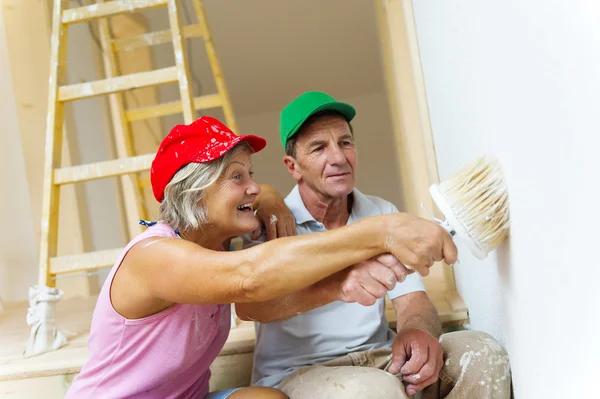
[[418, 243], [273, 214]]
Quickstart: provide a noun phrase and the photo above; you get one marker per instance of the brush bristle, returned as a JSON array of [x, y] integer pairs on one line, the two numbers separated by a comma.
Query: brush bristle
[[478, 197]]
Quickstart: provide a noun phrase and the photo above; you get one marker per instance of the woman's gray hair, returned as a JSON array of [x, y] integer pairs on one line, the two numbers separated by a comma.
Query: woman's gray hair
[[181, 207]]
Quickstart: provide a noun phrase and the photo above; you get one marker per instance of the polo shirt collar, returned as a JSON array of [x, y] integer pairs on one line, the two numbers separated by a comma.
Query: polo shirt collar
[[362, 207]]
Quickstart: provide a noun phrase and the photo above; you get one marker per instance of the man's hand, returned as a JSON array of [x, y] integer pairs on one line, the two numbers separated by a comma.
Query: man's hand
[[419, 357], [273, 214], [367, 281]]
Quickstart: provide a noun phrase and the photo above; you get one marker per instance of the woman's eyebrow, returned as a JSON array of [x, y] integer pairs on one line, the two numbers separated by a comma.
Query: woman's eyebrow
[[241, 163]]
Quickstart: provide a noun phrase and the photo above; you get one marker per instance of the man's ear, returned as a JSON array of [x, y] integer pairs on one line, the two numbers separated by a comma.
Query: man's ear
[[293, 167]]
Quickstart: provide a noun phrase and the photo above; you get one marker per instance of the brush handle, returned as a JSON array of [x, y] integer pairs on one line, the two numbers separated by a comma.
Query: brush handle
[[446, 225]]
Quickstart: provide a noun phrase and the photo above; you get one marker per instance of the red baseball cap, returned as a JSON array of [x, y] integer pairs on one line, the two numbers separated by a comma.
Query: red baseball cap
[[203, 140]]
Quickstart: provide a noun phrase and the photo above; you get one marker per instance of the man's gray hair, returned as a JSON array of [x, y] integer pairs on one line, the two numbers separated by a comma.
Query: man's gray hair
[[181, 207]]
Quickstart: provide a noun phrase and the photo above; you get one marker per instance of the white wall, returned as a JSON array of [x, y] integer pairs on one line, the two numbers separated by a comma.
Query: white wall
[[18, 251], [271, 49], [519, 80]]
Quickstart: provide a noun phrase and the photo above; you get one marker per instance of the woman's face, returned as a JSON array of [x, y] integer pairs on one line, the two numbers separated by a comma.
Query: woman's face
[[229, 200]]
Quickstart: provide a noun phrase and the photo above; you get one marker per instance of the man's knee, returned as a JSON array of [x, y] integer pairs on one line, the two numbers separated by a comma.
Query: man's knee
[[345, 382], [474, 355], [478, 342]]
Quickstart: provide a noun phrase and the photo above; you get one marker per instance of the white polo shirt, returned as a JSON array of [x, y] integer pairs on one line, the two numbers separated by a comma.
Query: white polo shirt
[[332, 330]]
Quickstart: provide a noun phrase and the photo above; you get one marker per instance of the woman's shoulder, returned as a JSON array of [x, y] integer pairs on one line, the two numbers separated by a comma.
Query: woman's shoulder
[[156, 229]]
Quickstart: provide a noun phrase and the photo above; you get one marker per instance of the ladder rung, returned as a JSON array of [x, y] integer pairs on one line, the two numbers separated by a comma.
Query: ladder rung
[[85, 261], [119, 83], [101, 170], [87, 13], [154, 38], [173, 107]]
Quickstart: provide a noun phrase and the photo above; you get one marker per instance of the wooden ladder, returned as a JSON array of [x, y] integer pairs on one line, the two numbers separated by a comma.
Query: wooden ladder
[[133, 186], [128, 165]]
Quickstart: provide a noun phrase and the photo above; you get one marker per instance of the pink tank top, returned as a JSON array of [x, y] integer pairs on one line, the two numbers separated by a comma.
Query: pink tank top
[[166, 355]]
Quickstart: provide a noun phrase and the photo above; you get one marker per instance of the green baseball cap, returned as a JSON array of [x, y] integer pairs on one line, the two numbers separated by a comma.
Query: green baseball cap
[[303, 107]]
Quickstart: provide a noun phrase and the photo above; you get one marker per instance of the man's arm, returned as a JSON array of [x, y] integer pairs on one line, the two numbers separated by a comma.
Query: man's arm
[[415, 310], [287, 306], [416, 352], [364, 283]]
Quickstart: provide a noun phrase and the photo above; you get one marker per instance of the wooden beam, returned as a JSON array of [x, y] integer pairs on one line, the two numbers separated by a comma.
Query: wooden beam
[[121, 133], [111, 8], [121, 83], [145, 135], [145, 182], [181, 62], [54, 143], [410, 113], [104, 169], [455, 302], [172, 107], [134, 42], [84, 262]]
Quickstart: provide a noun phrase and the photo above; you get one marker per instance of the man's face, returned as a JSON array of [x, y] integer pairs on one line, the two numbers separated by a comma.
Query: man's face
[[325, 157]]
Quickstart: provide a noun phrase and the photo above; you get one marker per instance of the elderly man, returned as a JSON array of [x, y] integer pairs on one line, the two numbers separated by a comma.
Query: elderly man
[[332, 339]]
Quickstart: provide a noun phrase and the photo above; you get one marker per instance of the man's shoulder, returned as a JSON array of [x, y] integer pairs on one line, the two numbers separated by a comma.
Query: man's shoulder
[[382, 204], [373, 204]]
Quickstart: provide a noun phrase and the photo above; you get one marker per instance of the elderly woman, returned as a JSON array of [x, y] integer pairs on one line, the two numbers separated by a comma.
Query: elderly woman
[[163, 313]]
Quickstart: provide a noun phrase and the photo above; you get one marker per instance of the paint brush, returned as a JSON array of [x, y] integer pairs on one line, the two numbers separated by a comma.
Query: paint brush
[[474, 203]]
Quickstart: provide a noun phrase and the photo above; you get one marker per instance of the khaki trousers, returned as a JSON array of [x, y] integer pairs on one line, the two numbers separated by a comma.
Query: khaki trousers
[[475, 367]]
